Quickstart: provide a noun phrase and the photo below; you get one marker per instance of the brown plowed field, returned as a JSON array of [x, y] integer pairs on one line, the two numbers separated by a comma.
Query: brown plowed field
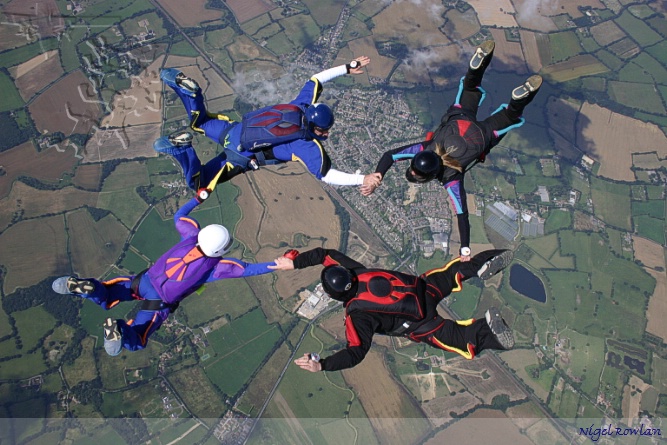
[[509, 53], [88, 176], [37, 73], [68, 106], [245, 10], [34, 250], [43, 16], [35, 202], [23, 160]]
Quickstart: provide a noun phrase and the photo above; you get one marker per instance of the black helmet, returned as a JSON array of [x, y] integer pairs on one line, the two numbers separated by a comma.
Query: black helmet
[[337, 282], [424, 167]]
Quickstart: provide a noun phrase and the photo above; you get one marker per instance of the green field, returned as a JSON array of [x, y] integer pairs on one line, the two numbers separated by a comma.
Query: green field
[[32, 324], [155, 235], [650, 228], [612, 202], [465, 301], [24, 53], [640, 96], [325, 13], [558, 219], [564, 45], [11, 99], [638, 30], [133, 263], [654, 208], [231, 297], [587, 360], [301, 29]]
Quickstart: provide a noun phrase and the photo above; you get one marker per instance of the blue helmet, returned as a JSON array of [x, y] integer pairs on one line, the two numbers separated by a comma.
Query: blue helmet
[[319, 116]]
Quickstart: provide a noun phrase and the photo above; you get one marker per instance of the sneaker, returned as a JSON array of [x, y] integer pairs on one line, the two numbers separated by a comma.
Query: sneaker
[[181, 138], [529, 87], [72, 285], [495, 265], [499, 328], [112, 337], [59, 286], [481, 53], [178, 81], [111, 331]]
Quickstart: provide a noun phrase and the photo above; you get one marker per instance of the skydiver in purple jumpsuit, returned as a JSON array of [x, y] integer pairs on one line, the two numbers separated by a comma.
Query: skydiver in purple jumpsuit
[[462, 139], [194, 261]]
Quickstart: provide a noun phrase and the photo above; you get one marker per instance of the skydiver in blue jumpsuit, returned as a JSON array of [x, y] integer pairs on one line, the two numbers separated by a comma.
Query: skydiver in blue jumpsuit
[[271, 135], [461, 140]]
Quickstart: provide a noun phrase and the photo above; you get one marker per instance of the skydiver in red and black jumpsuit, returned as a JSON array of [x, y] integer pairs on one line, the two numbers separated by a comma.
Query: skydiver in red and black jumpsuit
[[393, 303]]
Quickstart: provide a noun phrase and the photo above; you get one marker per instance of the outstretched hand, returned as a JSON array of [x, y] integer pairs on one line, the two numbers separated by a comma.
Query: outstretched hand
[[309, 365], [282, 263], [363, 61], [371, 182]]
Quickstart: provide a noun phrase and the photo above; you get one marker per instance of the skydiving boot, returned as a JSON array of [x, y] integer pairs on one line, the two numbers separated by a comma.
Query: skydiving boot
[[495, 265], [483, 55], [499, 328], [528, 90], [174, 143], [72, 285], [177, 80], [112, 337]]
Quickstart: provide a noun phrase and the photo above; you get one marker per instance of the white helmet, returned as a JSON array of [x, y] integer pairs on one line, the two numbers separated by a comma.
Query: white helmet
[[214, 240]]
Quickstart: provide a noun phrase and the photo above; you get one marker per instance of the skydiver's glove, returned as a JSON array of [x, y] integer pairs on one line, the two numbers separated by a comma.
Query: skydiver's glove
[[202, 195], [291, 254]]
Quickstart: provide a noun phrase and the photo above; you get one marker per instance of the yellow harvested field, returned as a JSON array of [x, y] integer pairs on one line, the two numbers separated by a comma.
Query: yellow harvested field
[[32, 251], [141, 103], [245, 10], [482, 426], [531, 52], [380, 65], [192, 14], [575, 67], [518, 360], [122, 143], [509, 53], [652, 255], [632, 397], [461, 26], [614, 138], [414, 23], [385, 402], [279, 202], [498, 13]]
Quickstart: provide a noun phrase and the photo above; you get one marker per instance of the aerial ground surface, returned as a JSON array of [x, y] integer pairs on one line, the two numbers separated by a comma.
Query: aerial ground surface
[[578, 192]]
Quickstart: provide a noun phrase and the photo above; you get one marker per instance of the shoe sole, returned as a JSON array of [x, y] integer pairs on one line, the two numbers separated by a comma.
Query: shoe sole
[[497, 264], [111, 332], [529, 86], [481, 53], [80, 286], [173, 139], [499, 328]]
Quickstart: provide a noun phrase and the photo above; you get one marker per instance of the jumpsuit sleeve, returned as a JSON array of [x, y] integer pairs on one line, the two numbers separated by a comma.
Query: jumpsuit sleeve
[[185, 225], [407, 152], [458, 198], [310, 153], [325, 257], [235, 268], [359, 330]]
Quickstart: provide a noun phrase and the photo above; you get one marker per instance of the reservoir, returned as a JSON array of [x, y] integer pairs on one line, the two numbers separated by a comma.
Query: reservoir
[[526, 283]]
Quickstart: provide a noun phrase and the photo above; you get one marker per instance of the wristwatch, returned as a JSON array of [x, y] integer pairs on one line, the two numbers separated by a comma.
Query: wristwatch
[[314, 356], [465, 251], [355, 64]]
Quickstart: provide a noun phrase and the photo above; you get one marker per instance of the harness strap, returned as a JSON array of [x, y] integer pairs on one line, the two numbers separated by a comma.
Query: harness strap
[[134, 286], [158, 305]]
